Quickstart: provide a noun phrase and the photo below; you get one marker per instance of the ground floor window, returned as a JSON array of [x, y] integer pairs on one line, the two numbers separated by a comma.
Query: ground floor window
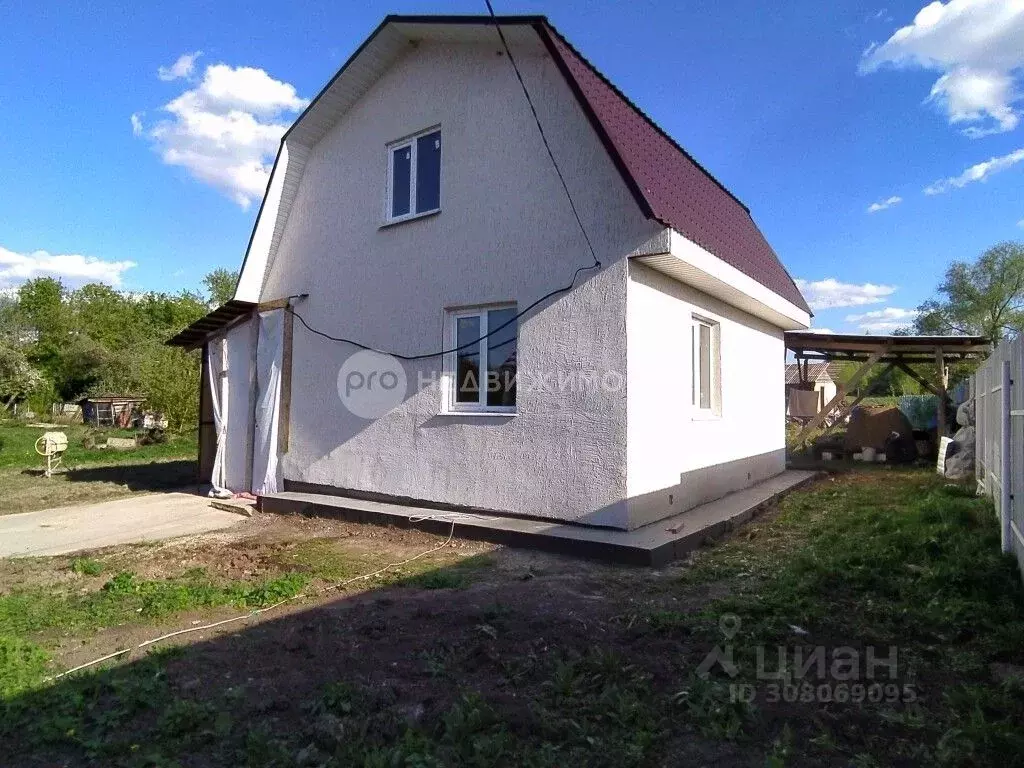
[[707, 390], [482, 368]]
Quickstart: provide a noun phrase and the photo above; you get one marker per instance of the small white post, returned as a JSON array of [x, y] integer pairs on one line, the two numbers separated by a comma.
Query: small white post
[[1005, 482]]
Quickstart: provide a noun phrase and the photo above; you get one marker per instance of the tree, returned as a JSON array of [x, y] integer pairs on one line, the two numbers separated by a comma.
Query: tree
[[985, 298], [18, 378], [220, 284], [41, 305]]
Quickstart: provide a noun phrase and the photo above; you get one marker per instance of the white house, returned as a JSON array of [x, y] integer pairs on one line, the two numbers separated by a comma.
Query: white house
[[412, 207], [819, 377]]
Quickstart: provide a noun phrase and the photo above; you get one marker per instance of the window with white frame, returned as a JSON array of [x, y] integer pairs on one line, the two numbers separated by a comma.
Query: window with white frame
[[414, 176], [482, 367], [706, 366]]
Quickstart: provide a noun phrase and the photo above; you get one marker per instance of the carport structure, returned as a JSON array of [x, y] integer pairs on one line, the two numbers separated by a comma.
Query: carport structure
[[899, 352]]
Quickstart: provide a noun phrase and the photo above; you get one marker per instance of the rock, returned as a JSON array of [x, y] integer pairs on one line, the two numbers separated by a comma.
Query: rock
[[965, 414], [959, 467], [121, 443], [965, 437]]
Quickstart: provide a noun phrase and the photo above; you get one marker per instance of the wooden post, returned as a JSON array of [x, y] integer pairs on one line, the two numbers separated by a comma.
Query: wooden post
[[285, 409], [940, 363], [918, 378], [840, 395]]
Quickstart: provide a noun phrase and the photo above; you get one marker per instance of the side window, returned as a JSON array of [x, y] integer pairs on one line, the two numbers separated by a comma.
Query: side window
[[414, 176], [707, 388]]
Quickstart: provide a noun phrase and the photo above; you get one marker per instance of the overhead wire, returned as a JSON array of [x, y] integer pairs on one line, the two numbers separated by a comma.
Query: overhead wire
[[557, 291], [445, 517]]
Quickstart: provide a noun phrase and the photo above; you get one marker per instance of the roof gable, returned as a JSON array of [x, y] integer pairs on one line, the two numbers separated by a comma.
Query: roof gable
[[668, 185]]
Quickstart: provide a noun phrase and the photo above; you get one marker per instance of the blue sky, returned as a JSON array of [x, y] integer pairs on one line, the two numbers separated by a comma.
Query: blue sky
[[785, 107]]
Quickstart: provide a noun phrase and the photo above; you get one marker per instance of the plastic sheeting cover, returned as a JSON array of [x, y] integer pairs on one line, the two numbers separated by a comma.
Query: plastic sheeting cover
[[266, 472], [213, 367]]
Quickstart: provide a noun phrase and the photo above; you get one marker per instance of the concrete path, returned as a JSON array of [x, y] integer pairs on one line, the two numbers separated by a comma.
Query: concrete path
[[125, 521]]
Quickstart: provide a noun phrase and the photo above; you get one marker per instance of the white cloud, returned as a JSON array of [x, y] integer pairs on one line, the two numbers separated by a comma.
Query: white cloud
[[1021, 223], [883, 320], [977, 46], [883, 204], [977, 172], [819, 330], [16, 268], [136, 119], [830, 293], [226, 130], [182, 67]]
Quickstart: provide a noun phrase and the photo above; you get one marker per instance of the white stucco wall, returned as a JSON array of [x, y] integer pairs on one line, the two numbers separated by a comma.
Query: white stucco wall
[[505, 233], [676, 458], [827, 390]]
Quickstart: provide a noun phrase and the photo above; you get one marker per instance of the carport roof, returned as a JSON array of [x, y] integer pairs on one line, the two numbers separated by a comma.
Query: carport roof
[[856, 346], [215, 322]]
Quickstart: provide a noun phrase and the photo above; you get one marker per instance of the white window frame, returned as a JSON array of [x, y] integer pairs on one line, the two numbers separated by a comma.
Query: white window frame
[[715, 360], [449, 404], [410, 142]]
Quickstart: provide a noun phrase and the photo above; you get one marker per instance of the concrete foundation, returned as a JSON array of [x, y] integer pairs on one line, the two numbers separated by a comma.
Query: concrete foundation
[[652, 545]]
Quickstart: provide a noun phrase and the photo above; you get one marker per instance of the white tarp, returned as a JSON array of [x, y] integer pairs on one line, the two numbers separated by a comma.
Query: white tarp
[[215, 358], [237, 406], [266, 472]]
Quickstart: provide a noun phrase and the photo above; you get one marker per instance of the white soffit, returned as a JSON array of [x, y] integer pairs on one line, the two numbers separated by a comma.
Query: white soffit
[[688, 263]]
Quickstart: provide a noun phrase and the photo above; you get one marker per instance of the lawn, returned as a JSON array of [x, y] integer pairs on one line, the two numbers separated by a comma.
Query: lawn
[[495, 657], [89, 473]]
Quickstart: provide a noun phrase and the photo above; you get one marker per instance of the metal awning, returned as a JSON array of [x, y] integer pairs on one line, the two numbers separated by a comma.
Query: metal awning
[[215, 323]]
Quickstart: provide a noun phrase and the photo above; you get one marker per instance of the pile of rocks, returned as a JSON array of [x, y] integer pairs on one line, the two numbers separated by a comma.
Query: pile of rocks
[[960, 454]]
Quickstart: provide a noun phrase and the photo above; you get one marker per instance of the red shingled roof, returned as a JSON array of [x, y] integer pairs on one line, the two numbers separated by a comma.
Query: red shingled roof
[[669, 185]]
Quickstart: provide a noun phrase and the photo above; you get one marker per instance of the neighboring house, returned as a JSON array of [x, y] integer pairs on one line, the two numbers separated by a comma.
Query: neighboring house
[[110, 410], [819, 376], [411, 207]]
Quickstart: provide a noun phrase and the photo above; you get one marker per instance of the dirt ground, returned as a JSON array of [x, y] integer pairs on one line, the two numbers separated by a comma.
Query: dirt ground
[[477, 655], [260, 547]]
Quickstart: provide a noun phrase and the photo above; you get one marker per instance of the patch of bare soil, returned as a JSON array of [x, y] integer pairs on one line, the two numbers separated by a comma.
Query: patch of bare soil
[[419, 650]]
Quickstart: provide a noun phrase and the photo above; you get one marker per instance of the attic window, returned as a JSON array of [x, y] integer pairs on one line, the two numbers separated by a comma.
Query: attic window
[[414, 176]]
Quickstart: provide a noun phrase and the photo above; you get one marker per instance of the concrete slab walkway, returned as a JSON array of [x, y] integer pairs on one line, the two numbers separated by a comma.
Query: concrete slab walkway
[[124, 521], [654, 544]]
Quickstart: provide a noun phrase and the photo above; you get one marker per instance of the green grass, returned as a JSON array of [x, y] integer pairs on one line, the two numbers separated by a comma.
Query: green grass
[[18, 446], [88, 474], [86, 566], [890, 559], [867, 559], [125, 598], [27, 617]]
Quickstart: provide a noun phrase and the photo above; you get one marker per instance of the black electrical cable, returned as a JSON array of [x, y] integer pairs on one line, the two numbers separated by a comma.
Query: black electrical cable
[[514, 318], [540, 128]]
